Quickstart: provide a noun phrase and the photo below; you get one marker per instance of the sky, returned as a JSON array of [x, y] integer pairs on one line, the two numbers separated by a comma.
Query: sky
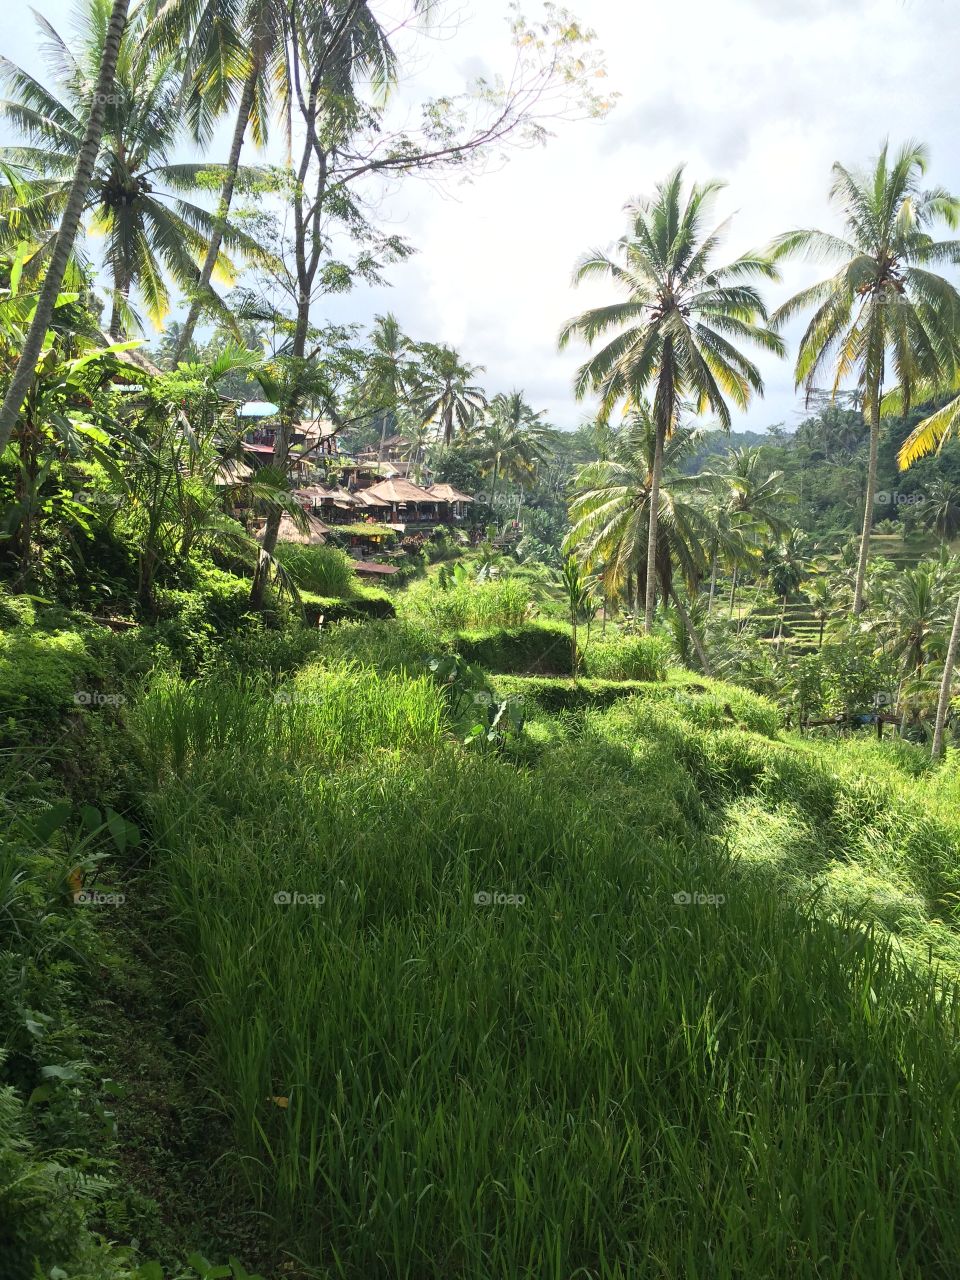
[[764, 94]]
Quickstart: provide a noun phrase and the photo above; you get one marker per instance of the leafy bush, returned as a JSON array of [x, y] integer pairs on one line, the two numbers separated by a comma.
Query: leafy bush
[[536, 648], [496, 602], [627, 658], [326, 570], [398, 645], [41, 673], [555, 695]]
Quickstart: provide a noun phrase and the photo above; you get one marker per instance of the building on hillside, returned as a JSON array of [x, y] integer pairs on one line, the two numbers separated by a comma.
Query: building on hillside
[[452, 504], [408, 503]]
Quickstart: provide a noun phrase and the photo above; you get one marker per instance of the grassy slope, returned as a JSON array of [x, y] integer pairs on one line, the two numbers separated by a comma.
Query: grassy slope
[[411, 1084], [599, 1077]]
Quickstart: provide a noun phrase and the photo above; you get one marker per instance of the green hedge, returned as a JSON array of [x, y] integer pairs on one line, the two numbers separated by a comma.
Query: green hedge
[[556, 695], [627, 658], [535, 648], [367, 602]]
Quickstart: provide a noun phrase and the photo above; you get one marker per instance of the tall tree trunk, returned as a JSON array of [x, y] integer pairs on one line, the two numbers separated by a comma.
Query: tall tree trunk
[[692, 633], [493, 487], [943, 702], [650, 598], [67, 233], [223, 210], [733, 589], [121, 292], [874, 414], [713, 581]]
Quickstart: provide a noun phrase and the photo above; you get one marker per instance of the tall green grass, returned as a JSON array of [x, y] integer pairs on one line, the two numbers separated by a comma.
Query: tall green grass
[[500, 602], [596, 1081], [328, 571]]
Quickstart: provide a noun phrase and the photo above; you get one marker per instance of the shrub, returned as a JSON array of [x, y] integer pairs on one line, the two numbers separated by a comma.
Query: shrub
[[500, 602], [326, 570], [627, 658], [40, 674], [383, 645], [536, 648]]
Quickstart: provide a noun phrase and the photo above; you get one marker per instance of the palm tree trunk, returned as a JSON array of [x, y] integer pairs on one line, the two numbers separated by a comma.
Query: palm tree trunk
[[713, 581], [869, 499], [67, 233], [650, 598], [493, 487], [733, 589], [223, 209], [943, 701], [692, 633]]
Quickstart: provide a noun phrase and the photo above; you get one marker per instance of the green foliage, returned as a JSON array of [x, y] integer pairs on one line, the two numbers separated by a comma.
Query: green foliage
[[627, 658], [468, 603], [326, 570], [536, 648]]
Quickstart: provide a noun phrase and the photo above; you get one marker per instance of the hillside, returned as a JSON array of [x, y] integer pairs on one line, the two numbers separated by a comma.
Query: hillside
[[640, 985]]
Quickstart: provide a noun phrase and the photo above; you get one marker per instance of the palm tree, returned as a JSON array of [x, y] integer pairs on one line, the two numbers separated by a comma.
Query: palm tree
[[884, 310], [751, 498], [512, 440], [928, 435], [389, 371], [242, 50], [146, 228], [940, 509], [677, 328], [445, 393], [76, 196], [611, 506]]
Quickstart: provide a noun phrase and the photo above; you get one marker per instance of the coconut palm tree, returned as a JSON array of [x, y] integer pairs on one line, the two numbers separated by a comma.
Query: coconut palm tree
[[611, 506], [389, 371], [73, 206], [445, 393], [884, 313], [678, 327], [134, 194], [751, 498], [239, 53], [930, 434], [939, 508], [511, 441]]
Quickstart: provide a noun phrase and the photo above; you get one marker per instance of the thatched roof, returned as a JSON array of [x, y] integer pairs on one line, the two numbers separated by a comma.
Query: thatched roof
[[315, 534], [366, 498], [232, 472], [399, 490], [447, 493], [316, 429]]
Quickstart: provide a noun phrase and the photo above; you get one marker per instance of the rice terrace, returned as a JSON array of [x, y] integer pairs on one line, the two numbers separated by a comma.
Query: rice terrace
[[479, 627]]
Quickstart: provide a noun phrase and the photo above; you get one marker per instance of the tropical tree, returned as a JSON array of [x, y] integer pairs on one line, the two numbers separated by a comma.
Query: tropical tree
[[610, 512], [939, 508], [389, 372], [579, 599], [135, 193], [238, 52], [884, 312], [512, 439], [445, 392], [751, 499], [677, 328], [930, 434], [74, 203]]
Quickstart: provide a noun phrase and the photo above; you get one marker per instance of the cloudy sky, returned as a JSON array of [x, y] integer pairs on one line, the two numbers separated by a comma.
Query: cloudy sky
[[765, 94]]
